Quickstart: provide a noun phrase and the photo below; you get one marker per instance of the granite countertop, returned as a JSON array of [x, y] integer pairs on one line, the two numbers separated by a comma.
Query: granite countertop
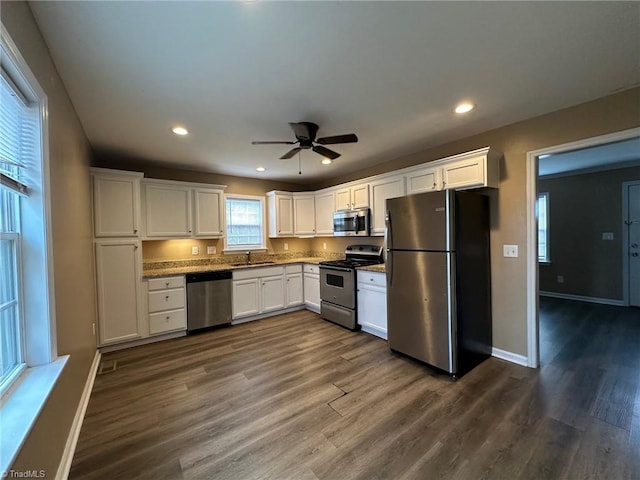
[[167, 269], [374, 268]]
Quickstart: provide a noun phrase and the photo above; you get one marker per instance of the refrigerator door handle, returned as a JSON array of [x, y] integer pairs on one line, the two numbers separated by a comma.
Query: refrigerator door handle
[[388, 236]]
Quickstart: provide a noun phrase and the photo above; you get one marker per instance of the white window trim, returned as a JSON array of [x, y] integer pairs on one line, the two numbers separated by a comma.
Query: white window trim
[[547, 259], [22, 402], [232, 249]]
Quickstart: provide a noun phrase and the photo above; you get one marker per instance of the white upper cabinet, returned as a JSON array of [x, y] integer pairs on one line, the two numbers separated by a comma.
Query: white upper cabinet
[[168, 210], [116, 203], [325, 206], [182, 209], [280, 208], [381, 190], [208, 212], [304, 214], [479, 168], [426, 179], [355, 196]]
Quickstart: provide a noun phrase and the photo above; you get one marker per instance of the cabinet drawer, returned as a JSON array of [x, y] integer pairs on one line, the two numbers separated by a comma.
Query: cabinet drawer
[[167, 321], [297, 268], [309, 268], [166, 300], [372, 278], [166, 282]]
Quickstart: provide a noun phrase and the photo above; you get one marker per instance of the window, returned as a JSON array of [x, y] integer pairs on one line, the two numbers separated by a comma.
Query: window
[[244, 215], [543, 227]]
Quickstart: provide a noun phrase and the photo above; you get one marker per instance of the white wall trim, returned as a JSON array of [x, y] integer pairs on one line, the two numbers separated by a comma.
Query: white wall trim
[[74, 433], [533, 349], [582, 298], [510, 357]]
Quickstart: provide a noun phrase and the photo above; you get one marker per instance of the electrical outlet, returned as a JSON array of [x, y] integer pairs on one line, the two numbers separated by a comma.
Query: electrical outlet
[[286, 246], [195, 250], [324, 245], [607, 235], [560, 278], [211, 250], [510, 251]]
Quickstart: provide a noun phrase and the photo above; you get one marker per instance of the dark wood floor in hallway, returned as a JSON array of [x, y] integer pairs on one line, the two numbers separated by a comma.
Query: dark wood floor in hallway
[[295, 397]]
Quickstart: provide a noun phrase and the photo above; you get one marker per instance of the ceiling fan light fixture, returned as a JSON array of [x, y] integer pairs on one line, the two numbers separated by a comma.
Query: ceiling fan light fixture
[[178, 130], [326, 161], [464, 107], [260, 169]]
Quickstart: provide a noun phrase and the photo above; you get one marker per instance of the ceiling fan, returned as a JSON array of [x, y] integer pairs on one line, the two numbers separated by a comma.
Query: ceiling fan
[[305, 133]]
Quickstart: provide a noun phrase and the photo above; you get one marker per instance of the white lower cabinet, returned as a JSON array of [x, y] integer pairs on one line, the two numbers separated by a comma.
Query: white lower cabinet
[[294, 292], [372, 303], [311, 287], [246, 297], [166, 305], [271, 294], [118, 267], [257, 290]]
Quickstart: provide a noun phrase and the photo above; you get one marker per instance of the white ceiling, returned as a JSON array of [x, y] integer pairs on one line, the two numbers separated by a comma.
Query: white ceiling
[[391, 72], [611, 155]]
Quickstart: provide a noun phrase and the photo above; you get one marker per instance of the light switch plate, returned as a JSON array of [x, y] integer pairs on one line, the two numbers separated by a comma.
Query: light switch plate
[[510, 251], [211, 250], [607, 235], [195, 250]]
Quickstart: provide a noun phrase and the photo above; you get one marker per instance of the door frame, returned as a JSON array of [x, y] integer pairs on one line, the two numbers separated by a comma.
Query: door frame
[[533, 324], [625, 241]]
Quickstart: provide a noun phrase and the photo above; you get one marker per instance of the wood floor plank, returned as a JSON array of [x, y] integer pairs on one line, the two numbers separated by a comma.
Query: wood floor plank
[[296, 397]]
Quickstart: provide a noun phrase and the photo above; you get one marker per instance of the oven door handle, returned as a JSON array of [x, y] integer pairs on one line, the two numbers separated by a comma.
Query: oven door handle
[[342, 269]]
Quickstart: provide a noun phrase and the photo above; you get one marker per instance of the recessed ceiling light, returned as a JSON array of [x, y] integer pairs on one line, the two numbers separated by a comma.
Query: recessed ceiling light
[[464, 107], [326, 161], [180, 131], [260, 169]]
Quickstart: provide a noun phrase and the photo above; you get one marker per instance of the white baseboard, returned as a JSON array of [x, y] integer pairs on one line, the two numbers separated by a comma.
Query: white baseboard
[[375, 330], [74, 433], [580, 298], [509, 357], [260, 316], [142, 341]]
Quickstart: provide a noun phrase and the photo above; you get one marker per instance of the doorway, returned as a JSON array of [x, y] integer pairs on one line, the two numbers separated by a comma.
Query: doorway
[[533, 348], [631, 245]]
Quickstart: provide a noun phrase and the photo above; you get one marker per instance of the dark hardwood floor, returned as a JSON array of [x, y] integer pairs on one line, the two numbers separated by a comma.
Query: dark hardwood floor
[[295, 397]]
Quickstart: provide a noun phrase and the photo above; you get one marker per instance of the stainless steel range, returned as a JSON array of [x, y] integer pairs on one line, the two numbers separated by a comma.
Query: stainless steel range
[[338, 301]]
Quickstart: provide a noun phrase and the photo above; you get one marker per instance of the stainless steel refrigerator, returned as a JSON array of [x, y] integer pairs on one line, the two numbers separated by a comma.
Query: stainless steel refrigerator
[[438, 279]]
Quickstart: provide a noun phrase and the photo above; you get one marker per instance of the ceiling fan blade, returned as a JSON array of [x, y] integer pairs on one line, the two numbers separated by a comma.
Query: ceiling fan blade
[[304, 130], [348, 138], [273, 143], [325, 152], [290, 153]]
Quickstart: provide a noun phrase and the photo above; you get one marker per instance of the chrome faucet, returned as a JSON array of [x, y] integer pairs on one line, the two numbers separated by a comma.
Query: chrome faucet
[[248, 257]]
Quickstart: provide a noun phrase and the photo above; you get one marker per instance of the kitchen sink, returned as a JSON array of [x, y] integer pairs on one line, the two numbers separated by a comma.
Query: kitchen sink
[[245, 264]]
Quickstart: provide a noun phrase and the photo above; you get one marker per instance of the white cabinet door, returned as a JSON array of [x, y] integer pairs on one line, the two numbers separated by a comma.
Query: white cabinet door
[[343, 199], [381, 190], [118, 285], [208, 213], [312, 291], [464, 173], [168, 210], [426, 179], [304, 214], [372, 303], [360, 195], [116, 200], [325, 206], [246, 297], [294, 290], [272, 294], [280, 207]]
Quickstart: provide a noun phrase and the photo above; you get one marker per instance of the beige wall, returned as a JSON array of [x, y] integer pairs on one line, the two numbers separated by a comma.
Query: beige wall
[[72, 247], [582, 207], [508, 205]]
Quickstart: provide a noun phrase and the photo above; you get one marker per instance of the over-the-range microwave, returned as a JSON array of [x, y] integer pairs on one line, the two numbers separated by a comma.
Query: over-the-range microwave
[[349, 223]]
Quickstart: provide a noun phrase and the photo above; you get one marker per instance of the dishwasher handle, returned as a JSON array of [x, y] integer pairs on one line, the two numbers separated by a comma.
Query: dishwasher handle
[[209, 276]]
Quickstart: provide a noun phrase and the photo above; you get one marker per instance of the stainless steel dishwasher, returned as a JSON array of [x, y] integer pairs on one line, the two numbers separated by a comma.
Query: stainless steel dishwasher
[[208, 299]]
